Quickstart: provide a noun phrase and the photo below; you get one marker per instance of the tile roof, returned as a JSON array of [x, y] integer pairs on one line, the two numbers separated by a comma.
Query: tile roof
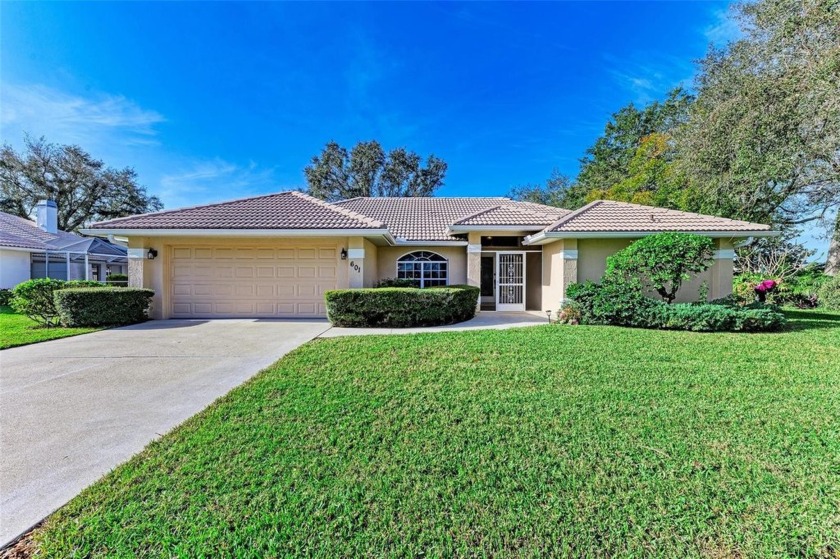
[[505, 215], [610, 216], [428, 219], [285, 210]]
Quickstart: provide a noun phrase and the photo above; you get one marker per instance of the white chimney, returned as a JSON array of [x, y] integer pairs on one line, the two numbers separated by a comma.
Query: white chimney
[[46, 216]]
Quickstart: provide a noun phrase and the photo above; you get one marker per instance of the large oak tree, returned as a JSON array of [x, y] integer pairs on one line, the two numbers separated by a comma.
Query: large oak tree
[[763, 140], [83, 187], [367, 170]]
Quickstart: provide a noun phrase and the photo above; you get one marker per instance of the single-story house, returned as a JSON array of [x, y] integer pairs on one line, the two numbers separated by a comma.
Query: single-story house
[[37, 249], [276, 255]]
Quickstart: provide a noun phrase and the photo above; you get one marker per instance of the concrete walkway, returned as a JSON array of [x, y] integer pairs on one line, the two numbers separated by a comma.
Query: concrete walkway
[[482, 321], [73, 409]]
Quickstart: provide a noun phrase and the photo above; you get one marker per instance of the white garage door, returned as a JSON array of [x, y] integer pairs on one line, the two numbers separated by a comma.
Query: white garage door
[[229, 282]]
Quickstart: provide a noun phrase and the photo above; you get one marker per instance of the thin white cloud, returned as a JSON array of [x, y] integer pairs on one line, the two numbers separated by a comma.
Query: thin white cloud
[[215, 180], [724, 30], [61, 117], [650, 75]]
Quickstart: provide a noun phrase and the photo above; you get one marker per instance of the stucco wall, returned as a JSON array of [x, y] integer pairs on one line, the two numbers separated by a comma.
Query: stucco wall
[[456, 256], [592, 263], [592, 256], [552, 277], [14, 268], [371, 272]]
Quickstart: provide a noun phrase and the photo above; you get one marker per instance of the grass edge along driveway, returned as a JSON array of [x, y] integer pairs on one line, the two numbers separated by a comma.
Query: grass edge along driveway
[[17, 330], [571, 441]]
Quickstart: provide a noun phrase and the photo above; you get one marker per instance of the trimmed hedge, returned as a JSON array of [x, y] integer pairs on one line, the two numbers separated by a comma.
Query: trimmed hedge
[[618, 305], [108, 306], [34, 297], [6, 297], [401, 307], [117, 279]]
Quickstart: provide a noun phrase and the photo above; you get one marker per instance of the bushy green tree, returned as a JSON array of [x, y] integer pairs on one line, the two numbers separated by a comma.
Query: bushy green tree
[[607, 162], [662, 262], [367, 170], [762, 139], [84, 188], [558, 190]]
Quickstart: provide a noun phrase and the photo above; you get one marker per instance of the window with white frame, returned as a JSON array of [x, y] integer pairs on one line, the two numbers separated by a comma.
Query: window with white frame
[[425, 269]]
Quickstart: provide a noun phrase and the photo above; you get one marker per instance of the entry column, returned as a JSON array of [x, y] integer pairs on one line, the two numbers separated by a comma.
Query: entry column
[[474, 263]]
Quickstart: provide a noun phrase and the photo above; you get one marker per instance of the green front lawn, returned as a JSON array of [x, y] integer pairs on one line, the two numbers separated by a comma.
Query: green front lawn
[[16, 329], [571, 441]]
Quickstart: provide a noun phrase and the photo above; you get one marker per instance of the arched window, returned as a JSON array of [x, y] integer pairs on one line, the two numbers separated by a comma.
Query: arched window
[[425, 269]]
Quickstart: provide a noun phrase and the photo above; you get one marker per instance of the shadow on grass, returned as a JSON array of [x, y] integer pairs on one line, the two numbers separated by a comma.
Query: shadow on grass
[[811, 320]]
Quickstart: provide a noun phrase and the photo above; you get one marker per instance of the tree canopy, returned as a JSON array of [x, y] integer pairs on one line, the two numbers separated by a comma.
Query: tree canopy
[[83, 187], [367, 170], [763, 140]]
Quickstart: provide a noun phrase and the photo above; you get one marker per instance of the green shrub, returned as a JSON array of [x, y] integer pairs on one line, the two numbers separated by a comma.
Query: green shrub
[[6, 297], [395, 282], [34, 298], [829, 294], [107, 306], [710, 317], [120, 280], [76, 284], [611, 303], [618, 305], [399, 307], [662, 261], [800, 289]]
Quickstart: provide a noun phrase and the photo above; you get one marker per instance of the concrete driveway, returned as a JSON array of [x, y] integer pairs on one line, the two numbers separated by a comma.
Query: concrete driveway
[[73, 409]]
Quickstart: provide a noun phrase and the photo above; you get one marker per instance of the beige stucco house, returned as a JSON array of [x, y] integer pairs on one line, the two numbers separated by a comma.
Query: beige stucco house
[[276, 255]]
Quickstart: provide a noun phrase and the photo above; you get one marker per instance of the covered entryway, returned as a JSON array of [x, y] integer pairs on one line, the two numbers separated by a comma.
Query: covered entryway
[[252, 281]]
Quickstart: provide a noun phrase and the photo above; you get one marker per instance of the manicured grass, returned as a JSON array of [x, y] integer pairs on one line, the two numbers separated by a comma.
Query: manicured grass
[[553, 440], [16, 330]]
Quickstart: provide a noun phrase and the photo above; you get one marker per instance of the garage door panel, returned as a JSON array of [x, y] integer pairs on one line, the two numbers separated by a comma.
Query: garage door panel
[[210, 282], [265, 291], [307, 253]]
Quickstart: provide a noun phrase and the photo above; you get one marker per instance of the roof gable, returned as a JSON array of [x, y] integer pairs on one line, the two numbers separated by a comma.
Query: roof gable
[[605, 216], [285, 210], [430, 218], [507, 215]]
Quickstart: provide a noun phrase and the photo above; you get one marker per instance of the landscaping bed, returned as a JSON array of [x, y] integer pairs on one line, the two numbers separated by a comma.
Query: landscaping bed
[[542, 441]]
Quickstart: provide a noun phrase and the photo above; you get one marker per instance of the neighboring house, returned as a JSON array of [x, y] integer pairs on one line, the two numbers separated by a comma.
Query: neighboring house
[[39, 250], [276, 255]]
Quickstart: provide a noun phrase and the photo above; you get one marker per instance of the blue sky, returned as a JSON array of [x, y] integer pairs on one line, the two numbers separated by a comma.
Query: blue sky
[[220, 100]]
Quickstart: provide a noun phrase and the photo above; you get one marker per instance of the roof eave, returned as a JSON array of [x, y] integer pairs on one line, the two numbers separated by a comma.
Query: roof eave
[[103, 232], [431, 243], [544, 237], [454, 229]]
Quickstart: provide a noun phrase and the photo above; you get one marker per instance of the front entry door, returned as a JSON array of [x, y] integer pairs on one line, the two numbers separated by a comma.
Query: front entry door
[[510, 286]]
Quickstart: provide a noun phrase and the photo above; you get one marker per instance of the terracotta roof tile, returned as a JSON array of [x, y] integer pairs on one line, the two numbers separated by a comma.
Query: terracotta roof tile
[[505, 215], [610, 216], [285, 210], [428, 219]]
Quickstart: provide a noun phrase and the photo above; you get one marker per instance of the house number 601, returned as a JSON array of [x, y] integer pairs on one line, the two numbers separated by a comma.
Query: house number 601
[[355, 267]]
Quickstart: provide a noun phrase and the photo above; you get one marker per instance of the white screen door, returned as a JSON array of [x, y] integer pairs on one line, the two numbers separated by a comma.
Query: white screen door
[[510, 286]]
